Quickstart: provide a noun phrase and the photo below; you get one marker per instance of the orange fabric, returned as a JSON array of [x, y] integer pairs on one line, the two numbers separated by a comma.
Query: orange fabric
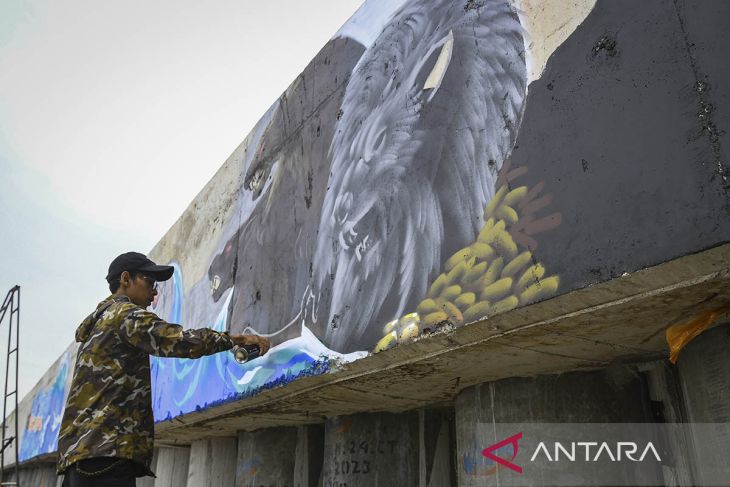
[[678, 336]]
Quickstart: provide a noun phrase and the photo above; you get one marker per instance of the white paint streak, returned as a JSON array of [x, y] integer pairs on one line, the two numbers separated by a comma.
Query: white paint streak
[[442, 63]]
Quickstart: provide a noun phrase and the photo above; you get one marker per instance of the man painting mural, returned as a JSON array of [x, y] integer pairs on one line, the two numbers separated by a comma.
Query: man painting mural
[[107, 432]]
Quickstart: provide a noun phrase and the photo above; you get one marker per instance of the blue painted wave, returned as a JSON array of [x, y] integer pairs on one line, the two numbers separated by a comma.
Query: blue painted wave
[[181, 386], [40, 434]]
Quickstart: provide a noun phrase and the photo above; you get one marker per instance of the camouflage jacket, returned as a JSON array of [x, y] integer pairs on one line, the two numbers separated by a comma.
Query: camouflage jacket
[[109, 407]]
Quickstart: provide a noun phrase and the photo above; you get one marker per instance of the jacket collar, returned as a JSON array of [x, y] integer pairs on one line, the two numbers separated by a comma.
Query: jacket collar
[[119, 298]]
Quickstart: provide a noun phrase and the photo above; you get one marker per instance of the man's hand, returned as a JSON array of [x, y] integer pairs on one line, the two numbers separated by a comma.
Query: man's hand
[[242, 340]]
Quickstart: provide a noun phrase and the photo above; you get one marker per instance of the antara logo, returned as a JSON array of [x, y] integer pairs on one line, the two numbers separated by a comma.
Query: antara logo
[[485, 462], [504, 453], [627, 448], [512, 440]]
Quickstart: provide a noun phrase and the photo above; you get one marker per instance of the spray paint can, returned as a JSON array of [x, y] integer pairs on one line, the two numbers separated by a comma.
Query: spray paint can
[[244, 353]]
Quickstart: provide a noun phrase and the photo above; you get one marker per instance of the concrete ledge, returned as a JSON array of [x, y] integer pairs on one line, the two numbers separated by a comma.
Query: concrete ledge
[[621, 320]]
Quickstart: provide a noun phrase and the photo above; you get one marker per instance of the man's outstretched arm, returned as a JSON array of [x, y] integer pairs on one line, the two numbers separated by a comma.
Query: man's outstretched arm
[[148, 332]]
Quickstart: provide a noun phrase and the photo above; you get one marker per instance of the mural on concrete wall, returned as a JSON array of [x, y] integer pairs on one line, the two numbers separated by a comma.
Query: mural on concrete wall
[[412, 156], [182, 385], [40, 433], [409, 180], [378, 201]]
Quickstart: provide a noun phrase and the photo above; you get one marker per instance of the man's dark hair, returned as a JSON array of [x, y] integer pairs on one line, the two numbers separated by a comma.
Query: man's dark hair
[[116, 281]]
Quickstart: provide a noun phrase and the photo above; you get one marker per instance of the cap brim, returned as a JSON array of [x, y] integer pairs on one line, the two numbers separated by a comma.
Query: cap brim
[[159, 272]]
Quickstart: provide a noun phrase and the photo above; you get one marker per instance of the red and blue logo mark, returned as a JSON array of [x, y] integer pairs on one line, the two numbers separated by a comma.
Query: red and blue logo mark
[[498, 456]]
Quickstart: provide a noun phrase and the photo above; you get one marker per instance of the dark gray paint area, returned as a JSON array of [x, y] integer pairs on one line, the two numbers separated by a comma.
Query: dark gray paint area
[[269, 257], [612, 129], [705, 26]]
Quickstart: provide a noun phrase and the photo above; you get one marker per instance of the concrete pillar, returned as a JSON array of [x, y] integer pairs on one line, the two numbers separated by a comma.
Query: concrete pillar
[[436, 466], [149, 481], [266, 457], [704, 370], [36, 475], [371, 450], [171, 466], [614, 395], [309, 456], [212, 463], [667, 407]]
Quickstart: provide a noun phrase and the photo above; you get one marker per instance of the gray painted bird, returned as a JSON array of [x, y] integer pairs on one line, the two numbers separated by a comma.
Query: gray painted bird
[[428, 117], [267, 260]]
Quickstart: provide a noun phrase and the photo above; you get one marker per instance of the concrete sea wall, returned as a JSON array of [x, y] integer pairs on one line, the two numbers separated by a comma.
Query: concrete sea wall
[[460, 213]]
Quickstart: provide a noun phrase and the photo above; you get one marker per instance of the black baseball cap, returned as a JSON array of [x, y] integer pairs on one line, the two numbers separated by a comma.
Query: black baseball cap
[[136, 262]]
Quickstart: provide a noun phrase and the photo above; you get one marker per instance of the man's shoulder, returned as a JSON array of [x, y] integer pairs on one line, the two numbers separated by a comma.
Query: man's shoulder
[[119, 305], [122, 309], [115, 310]]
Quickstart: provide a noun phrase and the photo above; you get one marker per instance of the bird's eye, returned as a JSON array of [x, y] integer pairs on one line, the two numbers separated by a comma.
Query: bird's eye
[[256, 179], [215, 283], [342, 207]]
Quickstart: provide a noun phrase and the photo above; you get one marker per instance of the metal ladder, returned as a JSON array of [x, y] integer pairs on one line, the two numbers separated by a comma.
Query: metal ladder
[[12, 305]]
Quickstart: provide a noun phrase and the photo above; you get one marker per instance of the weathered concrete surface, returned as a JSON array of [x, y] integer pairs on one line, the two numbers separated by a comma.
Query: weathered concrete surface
[[627, 132], [36, 475], [668, 407], [704, 368], [212, 463], [612, 395], [150, 481], [198, 229], [309, 456], [171, 466], [437, 442], [372, 450], [620, 320], [266, 457]]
